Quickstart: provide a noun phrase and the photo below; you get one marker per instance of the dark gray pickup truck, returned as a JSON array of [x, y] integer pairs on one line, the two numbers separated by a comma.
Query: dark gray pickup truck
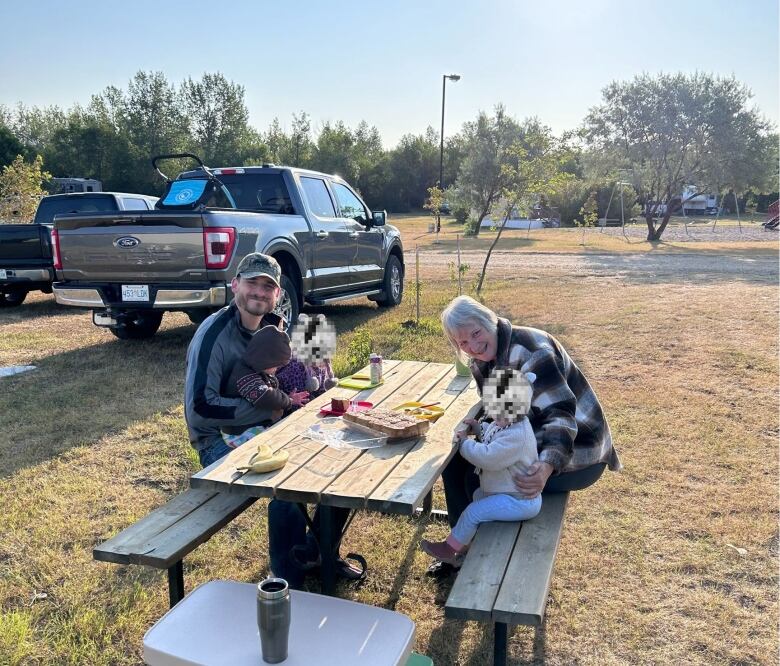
[[26, 261], [129, 268]]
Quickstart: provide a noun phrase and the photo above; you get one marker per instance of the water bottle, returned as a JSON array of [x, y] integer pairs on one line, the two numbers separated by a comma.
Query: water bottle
[[273, 618]]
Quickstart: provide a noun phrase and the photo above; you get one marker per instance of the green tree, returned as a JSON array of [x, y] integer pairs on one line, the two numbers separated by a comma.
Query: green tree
[[10, 146], [589, 214], [301, 147], [489, 145], [21, 188], [673, 130], [531, 168], [412, 168], [218, 119]]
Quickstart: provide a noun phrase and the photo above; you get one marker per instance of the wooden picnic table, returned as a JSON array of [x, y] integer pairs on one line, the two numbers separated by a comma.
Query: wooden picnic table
[[394, 478]]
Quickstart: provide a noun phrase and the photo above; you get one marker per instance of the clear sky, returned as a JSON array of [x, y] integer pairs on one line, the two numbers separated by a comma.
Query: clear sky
[[383, 61]]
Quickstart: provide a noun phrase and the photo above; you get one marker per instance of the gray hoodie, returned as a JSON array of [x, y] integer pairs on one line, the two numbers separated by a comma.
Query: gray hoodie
[[218, 344]]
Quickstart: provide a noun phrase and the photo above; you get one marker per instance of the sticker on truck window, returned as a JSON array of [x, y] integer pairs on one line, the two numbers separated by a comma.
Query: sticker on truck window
[[185, 192]]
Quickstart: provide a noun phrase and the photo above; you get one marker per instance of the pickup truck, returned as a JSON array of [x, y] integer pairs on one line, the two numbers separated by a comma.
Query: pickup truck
[[26, 262], [130, 268]]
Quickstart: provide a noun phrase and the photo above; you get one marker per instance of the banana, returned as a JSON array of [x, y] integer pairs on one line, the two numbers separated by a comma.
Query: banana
[[265, 460], [276, 461], [263, 451]]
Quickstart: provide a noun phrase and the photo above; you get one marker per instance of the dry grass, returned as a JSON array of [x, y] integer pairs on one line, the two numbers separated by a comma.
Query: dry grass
[[94, 439], [726, 236]]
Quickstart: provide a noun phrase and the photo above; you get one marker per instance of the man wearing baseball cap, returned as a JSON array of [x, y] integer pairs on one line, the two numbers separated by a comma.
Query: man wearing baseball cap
[[218, 344]]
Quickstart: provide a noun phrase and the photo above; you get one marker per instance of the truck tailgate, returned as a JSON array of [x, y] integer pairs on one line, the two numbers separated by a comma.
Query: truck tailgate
[[22, 244], [151, 245]]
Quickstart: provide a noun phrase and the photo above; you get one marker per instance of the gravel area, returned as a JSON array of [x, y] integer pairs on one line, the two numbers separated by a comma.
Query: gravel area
[[645, 266]]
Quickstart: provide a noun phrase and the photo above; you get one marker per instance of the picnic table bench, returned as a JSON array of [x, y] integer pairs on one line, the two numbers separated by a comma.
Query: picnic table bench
[[167, 534], [506, 575]]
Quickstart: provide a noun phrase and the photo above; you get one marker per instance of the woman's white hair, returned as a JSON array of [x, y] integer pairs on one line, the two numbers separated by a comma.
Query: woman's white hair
[[464, 311]]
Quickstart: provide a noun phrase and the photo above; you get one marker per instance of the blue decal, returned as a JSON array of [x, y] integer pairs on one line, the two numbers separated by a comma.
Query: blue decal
[[185, 192]]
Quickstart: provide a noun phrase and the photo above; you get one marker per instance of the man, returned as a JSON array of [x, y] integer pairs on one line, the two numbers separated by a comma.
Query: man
[[218, 344]]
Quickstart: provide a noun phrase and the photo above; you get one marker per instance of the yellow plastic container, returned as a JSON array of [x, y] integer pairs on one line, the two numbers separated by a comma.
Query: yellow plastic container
[[416, 409]]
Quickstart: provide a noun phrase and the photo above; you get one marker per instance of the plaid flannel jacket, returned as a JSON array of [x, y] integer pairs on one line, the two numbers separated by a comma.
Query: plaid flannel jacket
[[570, 427]]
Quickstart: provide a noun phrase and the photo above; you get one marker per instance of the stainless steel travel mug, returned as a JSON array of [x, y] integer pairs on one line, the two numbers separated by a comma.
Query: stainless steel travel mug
[[273, 618]]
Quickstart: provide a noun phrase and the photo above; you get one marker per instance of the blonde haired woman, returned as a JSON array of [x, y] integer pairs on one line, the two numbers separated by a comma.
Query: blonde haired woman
[[572, 434]]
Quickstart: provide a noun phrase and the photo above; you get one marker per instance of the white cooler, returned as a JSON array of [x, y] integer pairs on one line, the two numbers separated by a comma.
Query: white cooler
[[216, 624]]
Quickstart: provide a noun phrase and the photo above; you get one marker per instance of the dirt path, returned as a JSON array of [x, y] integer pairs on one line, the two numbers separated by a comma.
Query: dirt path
[[640, 266]]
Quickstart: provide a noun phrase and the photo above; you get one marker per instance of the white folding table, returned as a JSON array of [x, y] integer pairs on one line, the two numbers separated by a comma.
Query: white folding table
[[216, 624]]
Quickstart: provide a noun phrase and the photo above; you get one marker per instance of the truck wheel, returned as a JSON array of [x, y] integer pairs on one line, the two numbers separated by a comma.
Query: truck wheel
[[393, 285], [288, 305], [12, 299], [139, 325]]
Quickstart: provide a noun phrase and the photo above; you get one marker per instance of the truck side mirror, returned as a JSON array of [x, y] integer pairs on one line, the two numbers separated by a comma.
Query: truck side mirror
[[378, 218]]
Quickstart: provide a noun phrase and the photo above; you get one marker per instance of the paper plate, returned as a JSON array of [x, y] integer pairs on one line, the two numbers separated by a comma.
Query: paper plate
[[362, 406], [414, 409]]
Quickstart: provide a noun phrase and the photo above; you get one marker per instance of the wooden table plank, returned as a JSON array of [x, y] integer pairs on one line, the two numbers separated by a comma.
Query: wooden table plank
[[355, 483], [221, 474], [405, 487], [479, 579], [132, 539], [166, 534], [310, 481], [523, 598], [179, 539]]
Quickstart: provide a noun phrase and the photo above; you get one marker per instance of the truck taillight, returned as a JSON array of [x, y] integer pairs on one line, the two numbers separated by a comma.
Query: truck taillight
[[55, 250], [218, 245]]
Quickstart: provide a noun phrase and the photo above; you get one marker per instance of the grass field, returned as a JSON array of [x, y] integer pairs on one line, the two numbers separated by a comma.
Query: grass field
[[674, 560]]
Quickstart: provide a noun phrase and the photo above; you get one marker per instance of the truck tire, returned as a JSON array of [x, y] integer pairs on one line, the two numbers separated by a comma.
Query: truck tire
[[12, 298], [139, 325], [393, 284], [288, 305]]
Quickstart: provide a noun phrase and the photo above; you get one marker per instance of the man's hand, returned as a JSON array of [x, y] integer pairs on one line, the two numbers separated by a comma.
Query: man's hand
[[299, 398], [460, 435], [532, 482]]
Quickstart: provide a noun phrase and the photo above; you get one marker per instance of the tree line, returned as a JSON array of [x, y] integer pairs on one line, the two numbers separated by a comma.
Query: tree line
[[653, 134]]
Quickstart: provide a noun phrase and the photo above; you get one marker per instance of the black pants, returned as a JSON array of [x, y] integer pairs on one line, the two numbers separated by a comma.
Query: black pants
[[461, 480]]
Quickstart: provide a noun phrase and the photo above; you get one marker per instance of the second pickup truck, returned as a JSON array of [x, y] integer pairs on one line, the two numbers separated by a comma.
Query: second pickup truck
[[26, 261], [131, 267]]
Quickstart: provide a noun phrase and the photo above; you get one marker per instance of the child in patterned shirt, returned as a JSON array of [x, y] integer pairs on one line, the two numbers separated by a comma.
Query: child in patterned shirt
[[254, 379]]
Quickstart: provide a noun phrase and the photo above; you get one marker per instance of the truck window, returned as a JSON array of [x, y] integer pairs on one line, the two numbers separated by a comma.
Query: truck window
[[317, 196], [56, 205], [131, 203], [350, 205], [264, 192]]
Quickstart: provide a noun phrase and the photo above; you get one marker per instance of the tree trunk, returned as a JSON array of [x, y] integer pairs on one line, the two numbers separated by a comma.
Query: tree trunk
[[650, 227], [490, 250]]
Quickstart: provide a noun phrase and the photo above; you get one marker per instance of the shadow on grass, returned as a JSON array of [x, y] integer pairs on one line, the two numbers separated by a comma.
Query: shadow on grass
[[77, 397], [80, 396], [44, 307]]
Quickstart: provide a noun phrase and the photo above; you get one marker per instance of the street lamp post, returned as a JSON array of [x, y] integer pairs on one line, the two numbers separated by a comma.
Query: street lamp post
[[451, 77]]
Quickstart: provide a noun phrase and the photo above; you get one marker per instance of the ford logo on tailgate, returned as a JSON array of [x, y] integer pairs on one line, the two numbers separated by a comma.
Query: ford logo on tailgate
[[127, 241]]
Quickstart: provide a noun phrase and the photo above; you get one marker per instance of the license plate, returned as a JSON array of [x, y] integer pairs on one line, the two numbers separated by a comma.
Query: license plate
[[135, 292], [3, 274]]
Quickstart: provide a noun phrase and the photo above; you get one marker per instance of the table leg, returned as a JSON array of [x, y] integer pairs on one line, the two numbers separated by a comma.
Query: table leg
[[499, 644], [175, 583], [327, 550]]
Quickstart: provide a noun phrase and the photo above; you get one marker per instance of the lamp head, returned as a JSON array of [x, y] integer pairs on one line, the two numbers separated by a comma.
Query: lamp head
[[453, 77]]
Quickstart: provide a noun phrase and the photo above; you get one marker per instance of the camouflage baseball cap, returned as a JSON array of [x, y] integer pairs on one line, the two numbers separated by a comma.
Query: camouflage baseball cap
[[256, 264]]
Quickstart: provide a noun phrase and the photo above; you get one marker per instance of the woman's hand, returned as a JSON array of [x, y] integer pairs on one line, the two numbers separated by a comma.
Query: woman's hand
[[532, 482]]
